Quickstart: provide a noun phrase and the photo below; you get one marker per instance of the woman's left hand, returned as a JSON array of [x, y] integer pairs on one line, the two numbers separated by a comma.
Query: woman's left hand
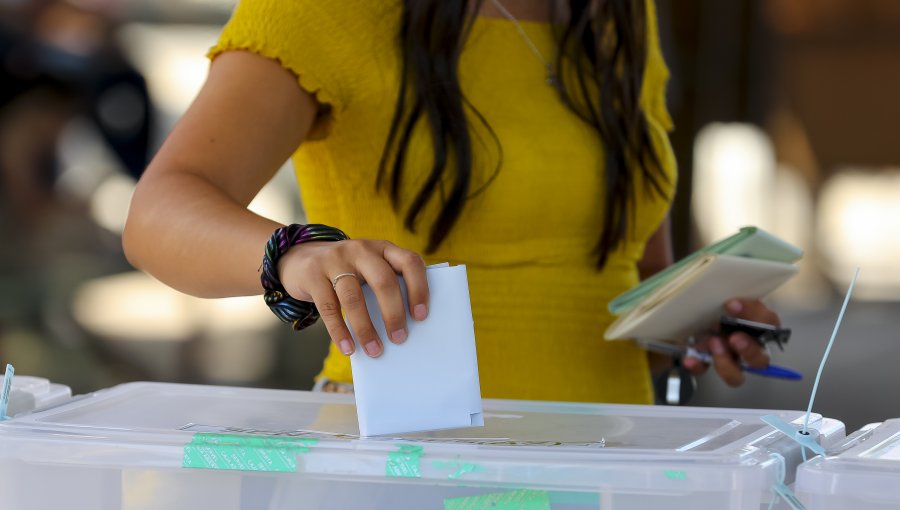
[[739, 348]]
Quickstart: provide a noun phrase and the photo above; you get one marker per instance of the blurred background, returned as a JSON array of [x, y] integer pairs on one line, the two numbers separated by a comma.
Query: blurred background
[[785, 115]]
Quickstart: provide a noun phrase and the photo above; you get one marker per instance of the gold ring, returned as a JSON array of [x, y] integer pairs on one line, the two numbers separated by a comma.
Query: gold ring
[[338, 277]]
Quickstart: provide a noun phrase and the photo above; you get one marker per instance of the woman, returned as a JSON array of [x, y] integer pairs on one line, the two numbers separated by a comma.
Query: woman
[[523, 138]]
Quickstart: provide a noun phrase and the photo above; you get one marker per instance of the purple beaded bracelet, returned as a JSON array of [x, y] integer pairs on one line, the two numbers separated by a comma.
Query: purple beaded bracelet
[[299, 314]]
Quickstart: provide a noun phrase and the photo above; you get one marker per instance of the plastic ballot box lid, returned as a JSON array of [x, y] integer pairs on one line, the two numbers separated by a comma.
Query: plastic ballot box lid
[[29, 393], [170, 446], [866, 474]]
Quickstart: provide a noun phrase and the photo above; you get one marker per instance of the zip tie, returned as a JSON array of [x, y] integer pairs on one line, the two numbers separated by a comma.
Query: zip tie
[[7, 388], [779, 489], [803, 436], [840, 318]]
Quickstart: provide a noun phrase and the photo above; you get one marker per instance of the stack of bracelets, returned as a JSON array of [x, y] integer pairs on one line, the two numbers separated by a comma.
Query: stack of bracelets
[[299, 314]]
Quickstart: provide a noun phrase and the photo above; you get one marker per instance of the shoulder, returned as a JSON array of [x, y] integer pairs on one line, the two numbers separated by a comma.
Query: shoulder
[[332, 20], [329, 45]]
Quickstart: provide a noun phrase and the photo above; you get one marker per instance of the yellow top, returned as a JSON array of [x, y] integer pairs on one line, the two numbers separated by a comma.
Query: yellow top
[[538, 302]]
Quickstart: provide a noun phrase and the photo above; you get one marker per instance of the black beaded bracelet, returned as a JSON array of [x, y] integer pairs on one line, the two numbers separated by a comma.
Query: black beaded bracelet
[[299, 314]]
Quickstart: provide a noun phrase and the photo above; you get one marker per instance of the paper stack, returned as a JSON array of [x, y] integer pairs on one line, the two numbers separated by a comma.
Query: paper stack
[[688, 296]]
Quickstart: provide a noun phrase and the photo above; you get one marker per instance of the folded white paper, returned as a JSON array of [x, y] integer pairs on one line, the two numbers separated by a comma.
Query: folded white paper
[[429, 382]]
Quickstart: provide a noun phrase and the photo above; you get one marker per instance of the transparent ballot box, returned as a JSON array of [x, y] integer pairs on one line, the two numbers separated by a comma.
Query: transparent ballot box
[[167, 446], [865, 475]]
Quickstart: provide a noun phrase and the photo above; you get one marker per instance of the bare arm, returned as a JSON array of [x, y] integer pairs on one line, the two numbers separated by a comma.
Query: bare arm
[[657, 251], [188, 224], [657, 256]]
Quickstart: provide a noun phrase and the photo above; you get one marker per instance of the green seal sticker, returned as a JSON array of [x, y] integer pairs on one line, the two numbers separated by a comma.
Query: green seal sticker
[[671, 474], [459, 468], [404, 463], [245, 452], [521, 499]]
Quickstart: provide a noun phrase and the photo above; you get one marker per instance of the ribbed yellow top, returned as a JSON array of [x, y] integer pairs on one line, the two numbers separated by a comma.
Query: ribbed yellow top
[[538, 302]]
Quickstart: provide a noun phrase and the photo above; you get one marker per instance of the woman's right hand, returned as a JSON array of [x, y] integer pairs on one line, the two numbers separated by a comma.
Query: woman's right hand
[[307, 271]]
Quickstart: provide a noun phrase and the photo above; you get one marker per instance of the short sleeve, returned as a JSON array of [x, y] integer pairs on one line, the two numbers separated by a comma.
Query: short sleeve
[[656, 74], [311, 38]]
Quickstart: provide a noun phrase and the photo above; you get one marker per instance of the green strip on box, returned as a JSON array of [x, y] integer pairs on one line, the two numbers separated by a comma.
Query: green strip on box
[[521, 499], [404, 463], [673, 474], [245, 452]]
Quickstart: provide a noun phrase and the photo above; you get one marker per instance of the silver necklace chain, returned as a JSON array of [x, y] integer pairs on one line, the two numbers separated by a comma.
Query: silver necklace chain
[[551, 74]]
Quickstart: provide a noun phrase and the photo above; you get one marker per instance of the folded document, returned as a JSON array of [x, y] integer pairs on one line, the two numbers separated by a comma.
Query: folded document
[[430, 381]]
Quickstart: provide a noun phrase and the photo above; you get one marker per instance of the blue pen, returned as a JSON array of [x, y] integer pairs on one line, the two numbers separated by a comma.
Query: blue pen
[[769, 371], [676, 351]]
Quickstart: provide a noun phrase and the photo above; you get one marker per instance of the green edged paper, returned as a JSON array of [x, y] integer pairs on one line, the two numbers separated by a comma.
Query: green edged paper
[[751, 242]]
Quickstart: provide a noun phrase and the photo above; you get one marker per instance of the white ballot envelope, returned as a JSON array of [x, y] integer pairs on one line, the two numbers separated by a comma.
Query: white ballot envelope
[[430, 381]]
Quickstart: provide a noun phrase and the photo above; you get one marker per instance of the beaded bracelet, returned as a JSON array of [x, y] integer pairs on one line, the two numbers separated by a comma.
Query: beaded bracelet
[[300, 314]]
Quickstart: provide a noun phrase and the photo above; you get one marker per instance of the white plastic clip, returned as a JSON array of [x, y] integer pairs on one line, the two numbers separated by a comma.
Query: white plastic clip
[[804, 438]]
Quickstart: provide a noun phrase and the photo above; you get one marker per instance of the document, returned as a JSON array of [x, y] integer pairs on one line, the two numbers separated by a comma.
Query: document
[[750, 242], [688, 297], [430, 381]]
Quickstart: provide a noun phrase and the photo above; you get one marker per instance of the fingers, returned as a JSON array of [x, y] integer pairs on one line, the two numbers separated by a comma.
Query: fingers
[[694, 365], [377, 263], [750, 351], [412, 267], [729, 357], [726, 365], [381, 278], [350, 295], [752, 309], [330, 311]]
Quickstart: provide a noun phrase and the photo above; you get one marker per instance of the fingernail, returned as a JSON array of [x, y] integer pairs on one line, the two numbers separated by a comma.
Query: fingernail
[[740, 342], [346, 347], [373, 349], [734, 306], [716, 346], [398, 336], [419, 312]]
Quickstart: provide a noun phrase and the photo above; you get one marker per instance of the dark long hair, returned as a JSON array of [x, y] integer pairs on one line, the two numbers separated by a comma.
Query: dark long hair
[[600, 65]]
